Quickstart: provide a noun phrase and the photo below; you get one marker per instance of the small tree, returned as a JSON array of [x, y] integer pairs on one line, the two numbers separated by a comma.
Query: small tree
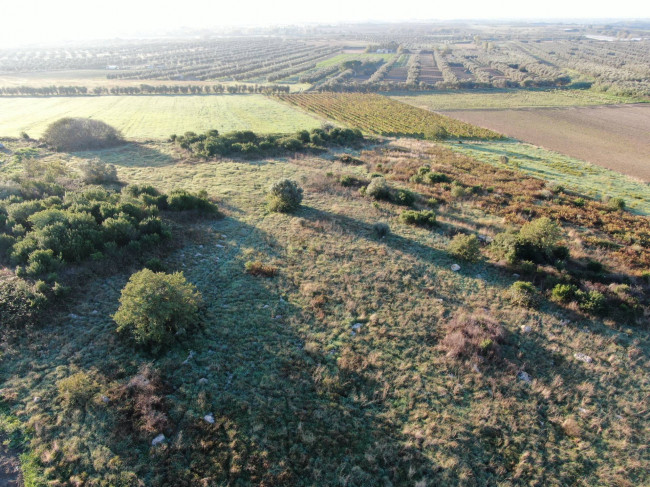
[[466, 247], [284, 196], [154, 306], [74, 134]]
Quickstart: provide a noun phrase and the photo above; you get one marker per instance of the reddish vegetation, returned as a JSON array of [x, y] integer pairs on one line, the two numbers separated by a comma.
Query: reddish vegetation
[[614, 136]]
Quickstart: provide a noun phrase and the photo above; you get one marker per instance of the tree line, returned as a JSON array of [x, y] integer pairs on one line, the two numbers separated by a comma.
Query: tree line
[[142, 89]]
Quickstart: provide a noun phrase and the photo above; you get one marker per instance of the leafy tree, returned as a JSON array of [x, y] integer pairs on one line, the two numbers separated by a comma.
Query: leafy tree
[[284, 196]]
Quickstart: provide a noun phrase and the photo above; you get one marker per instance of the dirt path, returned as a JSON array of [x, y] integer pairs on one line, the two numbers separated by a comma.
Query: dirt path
[[9, 468], [613, 136]]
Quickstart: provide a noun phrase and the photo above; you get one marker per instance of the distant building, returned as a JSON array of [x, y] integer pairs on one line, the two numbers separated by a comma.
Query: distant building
[[112, 67]]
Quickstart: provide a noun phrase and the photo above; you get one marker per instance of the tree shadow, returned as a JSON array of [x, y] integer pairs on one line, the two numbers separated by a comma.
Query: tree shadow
[[132, 154]]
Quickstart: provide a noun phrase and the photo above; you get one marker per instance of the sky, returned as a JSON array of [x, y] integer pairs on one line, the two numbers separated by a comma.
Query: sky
[[52, 21]]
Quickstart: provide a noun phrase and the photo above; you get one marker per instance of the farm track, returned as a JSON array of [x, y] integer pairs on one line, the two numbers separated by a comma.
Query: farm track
[[613, 136]]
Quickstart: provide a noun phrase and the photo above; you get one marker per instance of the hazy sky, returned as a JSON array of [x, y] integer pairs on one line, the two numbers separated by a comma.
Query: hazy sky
[[40, 21]]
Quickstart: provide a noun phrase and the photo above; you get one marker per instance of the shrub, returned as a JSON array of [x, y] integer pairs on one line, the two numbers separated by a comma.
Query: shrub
[[181, 200], [94, 171], [541, 234], [284, 196], [437, 177], [458, 191], [466, 247], [378, 189], [76, 390], [20, 305], [563, 293], [381, 229], [616, 204], [404, 197], [258, 268], [41, 262], [75, 134], [593, 302], [523, 293], [154, 306], [505, 246], [473, 337], [423, 218]]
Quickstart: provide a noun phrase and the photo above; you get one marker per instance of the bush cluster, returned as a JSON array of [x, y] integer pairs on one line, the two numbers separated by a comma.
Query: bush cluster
[[424, 175], [250, 144], [42, 234]]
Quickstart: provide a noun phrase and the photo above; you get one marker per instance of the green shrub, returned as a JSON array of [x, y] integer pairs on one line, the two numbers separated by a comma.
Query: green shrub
[[542, 234], [20, 305], [593, 302], [41, 262], [76, 390], [458, 191], [423, 218], [94, 171], [119, 230], [616, 204], [284, 196], [523, 293], [75, 134], [505, 246], [563, 293], [404, 197], [259, 268], [181, 200], [465, 247], [154, 306], [378, 189], [437, 177]]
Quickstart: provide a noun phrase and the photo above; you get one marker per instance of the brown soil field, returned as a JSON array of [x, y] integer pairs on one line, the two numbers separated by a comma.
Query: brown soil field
[[614, 136]]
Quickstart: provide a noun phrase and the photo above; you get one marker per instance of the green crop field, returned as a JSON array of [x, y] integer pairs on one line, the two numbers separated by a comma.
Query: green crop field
[[475, 100], [156, 116], [572, 173]]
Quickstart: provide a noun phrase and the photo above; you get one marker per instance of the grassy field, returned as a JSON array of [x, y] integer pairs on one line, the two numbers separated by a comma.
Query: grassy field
[[570, 172], [333, 372], [156, 116], [476, 99], [615, 137]]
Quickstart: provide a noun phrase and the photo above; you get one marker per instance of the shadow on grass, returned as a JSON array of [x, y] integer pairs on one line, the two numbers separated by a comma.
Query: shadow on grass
[[133, 154]]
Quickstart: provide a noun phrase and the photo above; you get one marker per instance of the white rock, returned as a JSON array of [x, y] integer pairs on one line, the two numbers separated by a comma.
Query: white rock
[[526, 329], [583, 358], [220, 246], [525, 377], [209, 418], [515, 275], [105, 399], [455, 267], [95, 312], [73, 316], [158, 440], [203, 381], [475, 369], [37, 398], [357, 326]]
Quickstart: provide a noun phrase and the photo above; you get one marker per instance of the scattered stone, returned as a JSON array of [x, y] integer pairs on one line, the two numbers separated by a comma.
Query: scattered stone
[[479, 276], [277, 317], [455, 267], [220, 246], [516, 276], [203, 381], [37, 398], [265, 306], [94, 312], [189, 357], [526, 329], [476, 369], [198, 254], [209, 418], [565, 322], [200, 246], [583, 357], [524, 376], [73, 316], [105, 399], [158, 440], [357, 326]]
